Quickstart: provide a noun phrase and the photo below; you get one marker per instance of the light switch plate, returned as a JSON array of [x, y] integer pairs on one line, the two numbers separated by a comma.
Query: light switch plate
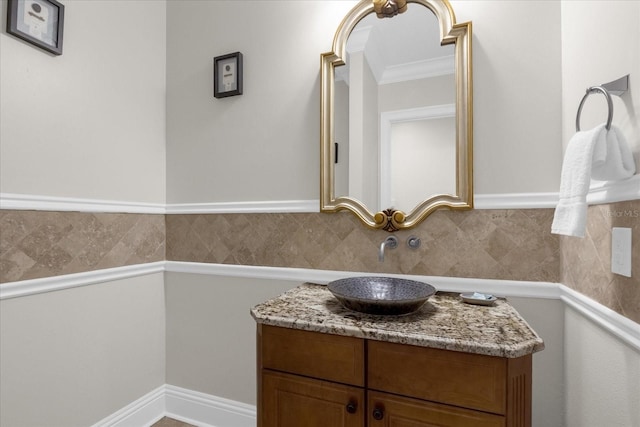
[[621, 251]]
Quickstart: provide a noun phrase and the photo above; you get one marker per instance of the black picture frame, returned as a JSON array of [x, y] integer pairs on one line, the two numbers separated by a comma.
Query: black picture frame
[[227, 75], [39, 22]]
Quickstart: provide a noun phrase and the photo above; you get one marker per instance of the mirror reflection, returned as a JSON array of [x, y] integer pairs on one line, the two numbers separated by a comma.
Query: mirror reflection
[[396, 138], [395, 112]]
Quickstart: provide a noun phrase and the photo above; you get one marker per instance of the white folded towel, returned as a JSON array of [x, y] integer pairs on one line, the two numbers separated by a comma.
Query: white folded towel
[[598, 153], [612, 158]]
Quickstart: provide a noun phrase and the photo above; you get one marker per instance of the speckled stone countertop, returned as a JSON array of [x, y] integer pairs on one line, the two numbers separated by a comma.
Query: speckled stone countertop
[[444, 322]]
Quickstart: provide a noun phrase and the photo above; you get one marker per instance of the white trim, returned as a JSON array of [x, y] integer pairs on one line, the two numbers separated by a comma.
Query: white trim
[[423, 69], [511, 288], [602, 192], [25, 288], [387, 74], [515, 201], [625, 329], [419, 113], [357, 41], [622, 327], [276, 206], [145, 411], [50, 203], [199, 409], [56, 283], [202, 409]]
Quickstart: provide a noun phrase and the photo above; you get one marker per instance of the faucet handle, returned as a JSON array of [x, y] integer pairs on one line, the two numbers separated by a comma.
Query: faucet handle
[[414, 242]]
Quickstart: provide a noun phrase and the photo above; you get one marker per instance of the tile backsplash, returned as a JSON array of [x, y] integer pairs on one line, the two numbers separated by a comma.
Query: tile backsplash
[[489, 244], [586, 263], [492, 244]]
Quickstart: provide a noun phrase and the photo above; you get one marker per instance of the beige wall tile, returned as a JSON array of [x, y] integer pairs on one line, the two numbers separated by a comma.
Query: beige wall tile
[[586, 263], [490, 244], [499, 244], [35, 244]]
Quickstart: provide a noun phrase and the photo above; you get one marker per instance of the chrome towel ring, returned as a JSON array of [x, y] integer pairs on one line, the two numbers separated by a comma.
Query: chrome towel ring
[[616, 87], [595, 89]]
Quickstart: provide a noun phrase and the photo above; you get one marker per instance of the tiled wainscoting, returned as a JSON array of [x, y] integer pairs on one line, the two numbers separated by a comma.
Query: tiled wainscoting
[[36, 244], [510, 244], [586, 263], [489, 244]]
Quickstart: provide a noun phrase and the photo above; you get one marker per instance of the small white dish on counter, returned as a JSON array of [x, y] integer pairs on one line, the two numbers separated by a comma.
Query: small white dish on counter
[[478, 298]]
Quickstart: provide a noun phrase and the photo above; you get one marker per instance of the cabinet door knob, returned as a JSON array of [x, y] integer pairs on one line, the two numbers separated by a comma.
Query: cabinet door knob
[[378, 414], [352, 407]]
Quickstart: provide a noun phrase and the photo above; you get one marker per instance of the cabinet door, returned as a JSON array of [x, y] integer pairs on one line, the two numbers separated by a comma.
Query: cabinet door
[[293, 401], [387, 410]]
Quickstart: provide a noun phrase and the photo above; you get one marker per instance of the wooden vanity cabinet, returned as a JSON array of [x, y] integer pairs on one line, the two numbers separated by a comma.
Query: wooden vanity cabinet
[[315, 379], [309, 379]]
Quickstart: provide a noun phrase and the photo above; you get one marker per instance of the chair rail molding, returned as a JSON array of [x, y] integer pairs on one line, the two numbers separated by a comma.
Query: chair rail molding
[[600, 193], [621, 327]]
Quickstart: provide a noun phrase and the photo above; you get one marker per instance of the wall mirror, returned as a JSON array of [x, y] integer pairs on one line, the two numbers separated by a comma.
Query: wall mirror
[[396, 116]]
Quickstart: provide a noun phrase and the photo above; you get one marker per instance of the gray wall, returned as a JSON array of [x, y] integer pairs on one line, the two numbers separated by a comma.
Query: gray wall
[[592, 58], [217, 150], [89, 123], [211, 337], [73, 357]]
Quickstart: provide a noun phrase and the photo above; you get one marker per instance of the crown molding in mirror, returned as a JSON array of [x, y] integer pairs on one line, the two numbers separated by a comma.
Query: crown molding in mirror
[[391, 220]]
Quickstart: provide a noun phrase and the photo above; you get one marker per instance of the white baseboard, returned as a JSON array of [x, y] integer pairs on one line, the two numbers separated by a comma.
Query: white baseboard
[[206, 410], [143, 412], [199, 409]]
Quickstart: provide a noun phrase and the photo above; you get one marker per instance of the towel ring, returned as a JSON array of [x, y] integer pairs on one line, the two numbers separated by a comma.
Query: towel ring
[[591, 90]]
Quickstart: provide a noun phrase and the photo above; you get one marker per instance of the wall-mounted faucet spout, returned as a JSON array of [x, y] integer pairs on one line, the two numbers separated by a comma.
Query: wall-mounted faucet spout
[[391, 242]]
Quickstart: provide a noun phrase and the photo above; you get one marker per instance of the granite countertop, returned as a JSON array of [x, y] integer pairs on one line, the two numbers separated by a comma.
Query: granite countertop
[[444, 322]]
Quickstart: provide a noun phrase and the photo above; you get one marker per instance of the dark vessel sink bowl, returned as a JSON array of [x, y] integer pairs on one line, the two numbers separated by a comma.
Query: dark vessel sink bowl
[[381, 295]]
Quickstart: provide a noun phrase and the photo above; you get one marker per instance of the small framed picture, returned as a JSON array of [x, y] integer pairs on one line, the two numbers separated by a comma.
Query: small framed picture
[[227, 75], [39, 22]]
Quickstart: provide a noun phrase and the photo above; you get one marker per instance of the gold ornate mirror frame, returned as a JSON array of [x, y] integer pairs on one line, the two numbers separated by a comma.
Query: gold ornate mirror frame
[[450, 32]]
